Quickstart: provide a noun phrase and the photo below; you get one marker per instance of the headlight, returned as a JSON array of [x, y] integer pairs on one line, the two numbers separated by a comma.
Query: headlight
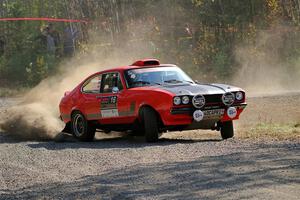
[[239, 96], [177, 100], [185, 99]]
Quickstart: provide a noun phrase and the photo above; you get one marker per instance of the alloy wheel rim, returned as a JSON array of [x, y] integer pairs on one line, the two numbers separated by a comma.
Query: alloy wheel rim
[[78, 125]]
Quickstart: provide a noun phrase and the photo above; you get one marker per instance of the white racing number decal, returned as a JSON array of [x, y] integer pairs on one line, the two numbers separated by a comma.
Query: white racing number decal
[[198, 115], [109, 113], [109, 107]]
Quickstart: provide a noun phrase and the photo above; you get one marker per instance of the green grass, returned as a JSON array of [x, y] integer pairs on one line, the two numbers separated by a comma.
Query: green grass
[[272, 130]]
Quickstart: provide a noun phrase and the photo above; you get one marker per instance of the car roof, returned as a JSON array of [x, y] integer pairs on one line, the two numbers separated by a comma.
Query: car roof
[[135, 65], [123, 68]]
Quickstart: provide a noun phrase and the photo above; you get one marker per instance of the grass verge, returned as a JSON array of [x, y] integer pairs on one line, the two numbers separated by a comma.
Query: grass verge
[[272, 131]]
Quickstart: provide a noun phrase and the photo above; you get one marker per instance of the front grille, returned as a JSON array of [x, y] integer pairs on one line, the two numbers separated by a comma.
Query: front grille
[[213, 99], [182, 110]]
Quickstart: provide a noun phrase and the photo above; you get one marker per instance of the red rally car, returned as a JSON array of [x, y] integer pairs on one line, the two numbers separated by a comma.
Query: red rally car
[[149, 98]]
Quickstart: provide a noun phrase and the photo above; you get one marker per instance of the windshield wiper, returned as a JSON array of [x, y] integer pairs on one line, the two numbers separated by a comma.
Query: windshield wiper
[[173, 81], [145, 82], [188, 81], [177, 81]]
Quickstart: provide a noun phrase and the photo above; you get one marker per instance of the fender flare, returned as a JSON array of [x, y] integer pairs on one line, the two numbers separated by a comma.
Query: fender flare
[[140, 116]]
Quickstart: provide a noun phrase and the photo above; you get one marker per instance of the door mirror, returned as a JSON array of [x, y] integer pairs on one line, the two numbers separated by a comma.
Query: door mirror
[[115, 90]]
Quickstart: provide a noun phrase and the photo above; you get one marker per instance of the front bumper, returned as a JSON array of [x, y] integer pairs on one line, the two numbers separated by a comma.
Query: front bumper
[[183, 115]]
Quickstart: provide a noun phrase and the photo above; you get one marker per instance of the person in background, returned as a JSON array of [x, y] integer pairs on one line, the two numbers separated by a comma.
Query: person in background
[[46, 41], [56, 37], [50, 41], [70, 36], [42, 40]]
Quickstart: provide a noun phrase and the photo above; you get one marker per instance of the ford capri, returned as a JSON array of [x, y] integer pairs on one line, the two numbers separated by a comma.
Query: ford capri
[[149, 98]]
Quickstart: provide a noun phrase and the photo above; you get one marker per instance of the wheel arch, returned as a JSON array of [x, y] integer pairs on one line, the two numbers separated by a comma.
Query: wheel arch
[[74, 110], [140, 116]]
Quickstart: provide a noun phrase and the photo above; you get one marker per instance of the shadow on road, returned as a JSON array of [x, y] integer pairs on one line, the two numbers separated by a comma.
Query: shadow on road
[[240, 175], [67, 141], [114, 143]]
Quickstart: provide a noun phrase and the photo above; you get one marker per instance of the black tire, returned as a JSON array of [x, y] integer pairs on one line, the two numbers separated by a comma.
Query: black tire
[[138, 128], [81, 128], [227, 130], [67, 128], [150, 124]]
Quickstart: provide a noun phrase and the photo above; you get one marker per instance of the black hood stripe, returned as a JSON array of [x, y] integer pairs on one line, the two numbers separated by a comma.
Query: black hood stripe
[[212, 86], [193, 89]]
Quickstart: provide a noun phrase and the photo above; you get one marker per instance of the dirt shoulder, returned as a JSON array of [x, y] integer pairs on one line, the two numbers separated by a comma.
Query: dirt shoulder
[[272, 116]]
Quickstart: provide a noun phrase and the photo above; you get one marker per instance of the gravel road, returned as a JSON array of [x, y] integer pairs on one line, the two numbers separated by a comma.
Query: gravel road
[[177, 167]]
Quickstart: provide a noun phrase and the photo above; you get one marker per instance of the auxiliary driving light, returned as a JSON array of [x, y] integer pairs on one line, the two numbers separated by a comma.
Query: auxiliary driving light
[[228, 98], [231, 112]]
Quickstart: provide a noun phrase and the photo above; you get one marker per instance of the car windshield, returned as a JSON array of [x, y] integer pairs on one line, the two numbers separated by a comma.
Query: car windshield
[[156, 76]]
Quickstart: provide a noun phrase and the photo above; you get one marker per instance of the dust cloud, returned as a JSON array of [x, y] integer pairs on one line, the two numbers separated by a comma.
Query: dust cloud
[[37, 116], [269, 78], [265, 69]]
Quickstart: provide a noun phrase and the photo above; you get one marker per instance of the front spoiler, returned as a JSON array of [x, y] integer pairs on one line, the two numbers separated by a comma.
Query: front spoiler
[[191, 110], [184, 115]]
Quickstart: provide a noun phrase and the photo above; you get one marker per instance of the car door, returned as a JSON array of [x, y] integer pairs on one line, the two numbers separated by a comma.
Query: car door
[[91, 97], [114, 107]]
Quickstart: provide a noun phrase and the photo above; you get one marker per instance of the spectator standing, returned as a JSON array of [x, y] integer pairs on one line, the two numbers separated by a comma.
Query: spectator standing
[[50, 42], [69, 41], [56, 37]]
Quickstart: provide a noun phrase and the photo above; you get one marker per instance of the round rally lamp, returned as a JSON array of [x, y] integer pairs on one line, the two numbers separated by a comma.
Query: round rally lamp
[[198, 101], [198, 115], [239, 96], [185, 99], [177, 101], [231, 112], [228, 98]]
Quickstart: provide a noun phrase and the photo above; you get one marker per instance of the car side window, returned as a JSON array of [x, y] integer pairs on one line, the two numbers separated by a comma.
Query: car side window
[[92, 85], [111, 81]]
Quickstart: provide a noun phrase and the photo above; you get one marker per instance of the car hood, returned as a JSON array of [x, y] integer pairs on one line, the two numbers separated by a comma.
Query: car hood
[[193, 89]]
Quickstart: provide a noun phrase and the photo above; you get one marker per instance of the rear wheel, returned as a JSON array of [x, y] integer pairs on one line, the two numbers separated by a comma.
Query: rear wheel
[[67, 128], [227, 130], [81, 128], [150, 125]]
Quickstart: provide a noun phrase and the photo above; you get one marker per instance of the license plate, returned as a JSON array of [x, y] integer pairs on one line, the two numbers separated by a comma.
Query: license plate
[[214, 112]]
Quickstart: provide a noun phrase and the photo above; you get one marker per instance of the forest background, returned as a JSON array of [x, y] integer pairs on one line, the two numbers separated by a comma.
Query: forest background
[[212, 40]]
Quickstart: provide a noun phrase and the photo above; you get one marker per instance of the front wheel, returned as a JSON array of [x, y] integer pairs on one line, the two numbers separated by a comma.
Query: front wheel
[[81, 128], [227, 130], [150, 125]]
